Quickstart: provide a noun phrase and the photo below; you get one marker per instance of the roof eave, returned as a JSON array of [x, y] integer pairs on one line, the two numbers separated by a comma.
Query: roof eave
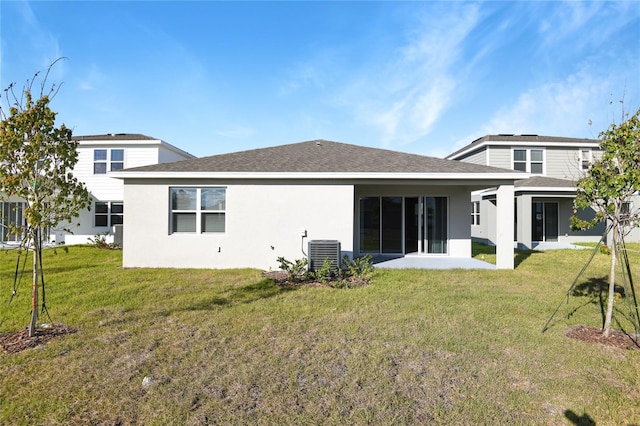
[[546, 189], [507, 176], [515, 143]]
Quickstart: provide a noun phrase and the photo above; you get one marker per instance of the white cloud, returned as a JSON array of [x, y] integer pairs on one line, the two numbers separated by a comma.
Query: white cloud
[[414, 87], [559, 108]]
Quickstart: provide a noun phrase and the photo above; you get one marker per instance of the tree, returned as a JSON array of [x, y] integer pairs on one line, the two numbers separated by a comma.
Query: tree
[[36, 159], [607, 188]]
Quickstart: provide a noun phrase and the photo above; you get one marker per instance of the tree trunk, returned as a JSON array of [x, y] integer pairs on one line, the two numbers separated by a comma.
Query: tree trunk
[[606, 328], [34, 291]]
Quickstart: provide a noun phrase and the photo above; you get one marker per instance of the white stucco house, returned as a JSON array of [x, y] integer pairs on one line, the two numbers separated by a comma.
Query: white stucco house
[[99, 155], [246, 209]]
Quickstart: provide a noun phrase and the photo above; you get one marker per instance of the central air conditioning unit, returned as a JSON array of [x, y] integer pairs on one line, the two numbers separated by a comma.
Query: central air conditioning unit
[[319, 250]]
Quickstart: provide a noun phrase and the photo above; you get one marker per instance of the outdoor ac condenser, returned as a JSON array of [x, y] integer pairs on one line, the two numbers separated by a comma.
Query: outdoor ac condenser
[[319, 250]]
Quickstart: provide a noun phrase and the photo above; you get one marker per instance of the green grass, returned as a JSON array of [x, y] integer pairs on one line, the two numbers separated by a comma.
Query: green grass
[[415, 347]]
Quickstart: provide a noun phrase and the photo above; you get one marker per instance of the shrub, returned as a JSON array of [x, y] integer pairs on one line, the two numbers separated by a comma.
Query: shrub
[[296, 270], [100, 241], [352, 273]]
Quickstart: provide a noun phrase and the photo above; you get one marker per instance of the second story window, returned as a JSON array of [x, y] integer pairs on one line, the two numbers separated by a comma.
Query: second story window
[[585, 159], [99, 161], [117, 159], [107, 160], [528, 160]]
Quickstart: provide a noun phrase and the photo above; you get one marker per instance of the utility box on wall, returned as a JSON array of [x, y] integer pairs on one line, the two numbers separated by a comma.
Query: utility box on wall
[[319, 250]]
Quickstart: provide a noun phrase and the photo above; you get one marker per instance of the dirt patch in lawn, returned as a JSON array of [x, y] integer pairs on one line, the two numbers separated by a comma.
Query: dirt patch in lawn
[[17, 341], [616, 338]]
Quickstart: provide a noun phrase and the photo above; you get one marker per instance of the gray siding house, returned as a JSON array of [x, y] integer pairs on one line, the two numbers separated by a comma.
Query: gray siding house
[[543, 201]]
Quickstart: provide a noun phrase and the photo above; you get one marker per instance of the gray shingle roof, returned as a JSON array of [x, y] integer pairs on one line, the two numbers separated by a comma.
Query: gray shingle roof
[[544, 182], [114, 137], [320, 156], [515, 139]]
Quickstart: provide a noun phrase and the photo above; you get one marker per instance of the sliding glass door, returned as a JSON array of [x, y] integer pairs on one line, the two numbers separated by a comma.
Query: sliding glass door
[[544, 223], [401, 225]]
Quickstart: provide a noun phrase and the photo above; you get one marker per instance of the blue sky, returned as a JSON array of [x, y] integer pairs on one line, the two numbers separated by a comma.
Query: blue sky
[[424, 77]]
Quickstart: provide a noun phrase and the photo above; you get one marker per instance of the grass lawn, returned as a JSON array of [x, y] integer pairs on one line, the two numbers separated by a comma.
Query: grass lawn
[[230, 347]]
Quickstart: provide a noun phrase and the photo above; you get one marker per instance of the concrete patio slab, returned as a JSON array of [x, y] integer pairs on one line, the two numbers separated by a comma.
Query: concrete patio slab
[[431, 262]]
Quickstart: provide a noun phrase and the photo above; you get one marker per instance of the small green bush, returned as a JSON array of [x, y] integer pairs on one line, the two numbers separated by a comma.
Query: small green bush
[[100, 241], [352, 273], [296, 270]]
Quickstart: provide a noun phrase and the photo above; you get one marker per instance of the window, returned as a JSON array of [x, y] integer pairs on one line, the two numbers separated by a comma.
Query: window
[[529, 160], [536, 161], [12, 221], [475, 213], [198, 210], [116, 160], [585, 159], [108, 213], [99, 161], [520, 160]]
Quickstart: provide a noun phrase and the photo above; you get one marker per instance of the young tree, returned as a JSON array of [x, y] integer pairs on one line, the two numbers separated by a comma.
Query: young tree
[[36, 159], [607, 188]]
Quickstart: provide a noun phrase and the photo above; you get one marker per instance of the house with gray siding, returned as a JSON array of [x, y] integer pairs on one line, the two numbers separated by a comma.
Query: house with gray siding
[[543, 201]]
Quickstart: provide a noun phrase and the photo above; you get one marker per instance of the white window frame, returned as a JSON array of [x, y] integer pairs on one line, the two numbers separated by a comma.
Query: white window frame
[[116, 164], [475, 213], [582, 161], [100, 161], [200, 212], [13, 212], [115, 209], [109, 163], [528, 160]]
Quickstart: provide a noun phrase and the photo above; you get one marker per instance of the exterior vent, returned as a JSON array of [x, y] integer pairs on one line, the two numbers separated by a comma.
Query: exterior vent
[[319, 250]]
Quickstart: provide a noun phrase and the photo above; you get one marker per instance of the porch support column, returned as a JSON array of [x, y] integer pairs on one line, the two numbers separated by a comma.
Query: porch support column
[[525, 239], [504, 227]]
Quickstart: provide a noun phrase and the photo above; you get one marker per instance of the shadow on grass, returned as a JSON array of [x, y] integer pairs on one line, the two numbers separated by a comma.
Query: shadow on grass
[[521, 256], [597, 291], [263, 289], [596, 288], [583, 420], [479, 249]]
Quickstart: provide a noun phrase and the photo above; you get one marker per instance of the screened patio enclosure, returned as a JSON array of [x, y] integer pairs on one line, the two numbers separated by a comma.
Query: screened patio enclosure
[[404, 225]]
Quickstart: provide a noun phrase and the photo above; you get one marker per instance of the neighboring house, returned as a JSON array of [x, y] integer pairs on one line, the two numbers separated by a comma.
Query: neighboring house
[[544, 201], [98, 156], [246, 209]]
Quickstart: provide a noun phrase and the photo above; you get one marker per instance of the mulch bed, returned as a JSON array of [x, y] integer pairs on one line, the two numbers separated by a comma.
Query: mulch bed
[[19, 340], [616, 338]]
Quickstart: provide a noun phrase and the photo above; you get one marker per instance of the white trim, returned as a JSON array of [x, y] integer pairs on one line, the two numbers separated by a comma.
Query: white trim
[[132, 142], [199, 212], [507, 176], [545, 188], [580, 159], [528, 161], [471, 148]]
